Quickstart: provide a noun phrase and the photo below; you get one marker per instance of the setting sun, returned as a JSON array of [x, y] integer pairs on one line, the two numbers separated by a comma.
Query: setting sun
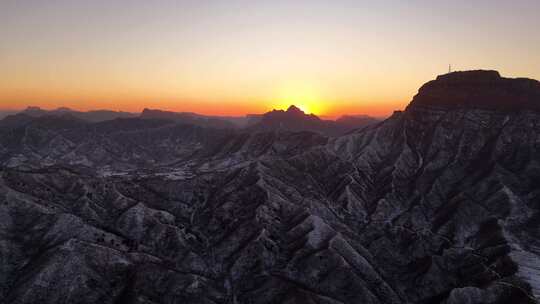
[[306, 98]]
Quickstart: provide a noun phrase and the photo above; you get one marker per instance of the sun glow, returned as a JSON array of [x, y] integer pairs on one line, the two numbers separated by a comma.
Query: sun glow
[[305, 98]]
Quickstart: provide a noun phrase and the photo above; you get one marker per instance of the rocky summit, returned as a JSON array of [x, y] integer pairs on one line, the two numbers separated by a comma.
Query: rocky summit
[[480, 89], [436, 204]]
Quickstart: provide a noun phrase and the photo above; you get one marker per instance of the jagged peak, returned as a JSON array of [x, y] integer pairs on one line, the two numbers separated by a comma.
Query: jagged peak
[[295, 109], [292, 112]]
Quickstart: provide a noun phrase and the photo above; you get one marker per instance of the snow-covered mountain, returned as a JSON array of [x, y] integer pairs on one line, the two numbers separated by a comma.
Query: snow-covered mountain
[[437, 204]]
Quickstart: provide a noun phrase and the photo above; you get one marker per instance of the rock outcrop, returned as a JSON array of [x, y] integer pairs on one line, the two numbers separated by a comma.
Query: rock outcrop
[[480, 89]]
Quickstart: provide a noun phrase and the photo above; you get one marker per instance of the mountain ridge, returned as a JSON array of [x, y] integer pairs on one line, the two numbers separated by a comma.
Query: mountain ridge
[[291, 120]]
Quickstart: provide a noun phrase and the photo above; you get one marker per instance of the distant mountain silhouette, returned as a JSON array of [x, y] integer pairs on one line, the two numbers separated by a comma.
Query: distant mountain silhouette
[[253, 119], [355, 121], [90, 116], [188, 118], [294, 119], [5, 113], [15, 120]]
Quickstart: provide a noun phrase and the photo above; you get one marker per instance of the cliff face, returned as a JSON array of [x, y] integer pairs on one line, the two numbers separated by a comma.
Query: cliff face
[[437, 204]]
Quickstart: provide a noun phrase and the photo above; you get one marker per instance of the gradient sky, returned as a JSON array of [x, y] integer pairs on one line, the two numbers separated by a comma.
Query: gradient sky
[[237, 57]]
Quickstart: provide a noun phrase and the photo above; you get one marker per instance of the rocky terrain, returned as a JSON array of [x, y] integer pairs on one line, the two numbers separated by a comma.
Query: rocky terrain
[[437, 204]]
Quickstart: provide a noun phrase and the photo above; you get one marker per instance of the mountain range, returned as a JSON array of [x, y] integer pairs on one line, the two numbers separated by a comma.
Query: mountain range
[[291, 120], [91, 116], [438, 203]]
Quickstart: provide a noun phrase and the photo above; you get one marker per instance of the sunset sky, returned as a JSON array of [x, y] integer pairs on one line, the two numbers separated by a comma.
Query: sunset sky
[[238, 57]]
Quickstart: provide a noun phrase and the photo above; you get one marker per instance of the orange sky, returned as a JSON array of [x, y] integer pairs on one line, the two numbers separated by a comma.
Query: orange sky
[[237, 57]]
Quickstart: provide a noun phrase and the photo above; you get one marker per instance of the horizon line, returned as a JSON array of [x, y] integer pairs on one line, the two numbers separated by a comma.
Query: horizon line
[[67, 108]]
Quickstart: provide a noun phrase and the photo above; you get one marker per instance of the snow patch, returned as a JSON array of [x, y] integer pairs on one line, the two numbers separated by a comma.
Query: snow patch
[[176, 174], [528, 269], [16, 161], [320, 230], [107, 171]]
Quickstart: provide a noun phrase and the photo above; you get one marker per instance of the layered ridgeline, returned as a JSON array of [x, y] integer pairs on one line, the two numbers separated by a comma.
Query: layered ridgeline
[[437, 204], [293, 119]]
